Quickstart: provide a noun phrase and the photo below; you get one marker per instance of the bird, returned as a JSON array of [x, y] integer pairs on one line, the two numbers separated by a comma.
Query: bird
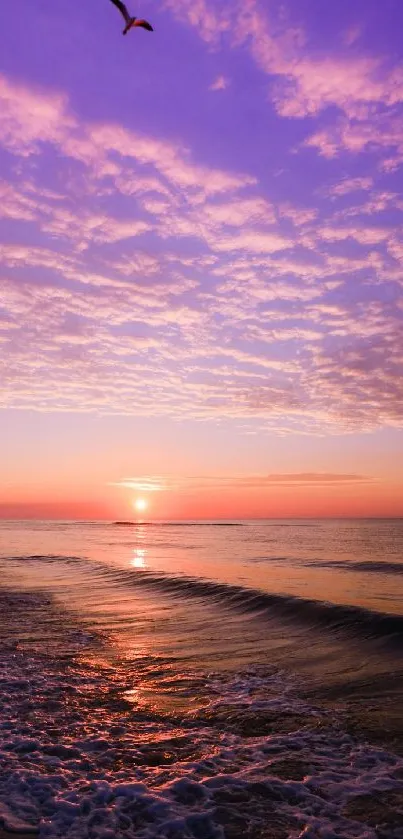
[[131, 21]]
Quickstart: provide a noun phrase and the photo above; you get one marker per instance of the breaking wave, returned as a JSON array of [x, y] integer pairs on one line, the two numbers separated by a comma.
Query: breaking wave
[[347, 619]]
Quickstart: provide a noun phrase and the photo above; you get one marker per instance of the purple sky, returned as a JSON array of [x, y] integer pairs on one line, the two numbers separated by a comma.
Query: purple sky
[[201, 242]]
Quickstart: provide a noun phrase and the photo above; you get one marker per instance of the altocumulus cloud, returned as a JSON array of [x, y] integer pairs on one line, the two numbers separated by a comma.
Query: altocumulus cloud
[[161, 285]]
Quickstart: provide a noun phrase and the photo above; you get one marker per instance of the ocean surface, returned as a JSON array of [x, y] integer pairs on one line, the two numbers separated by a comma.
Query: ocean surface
[[202, 680]]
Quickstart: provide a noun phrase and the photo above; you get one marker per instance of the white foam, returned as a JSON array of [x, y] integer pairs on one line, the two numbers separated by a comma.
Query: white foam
[[67, 774]]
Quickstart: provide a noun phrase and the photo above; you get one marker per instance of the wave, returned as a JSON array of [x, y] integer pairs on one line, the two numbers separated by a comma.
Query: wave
[[366, 566], [353, 619], [176, 524], [49, 558], [371, 566], [315, 614]]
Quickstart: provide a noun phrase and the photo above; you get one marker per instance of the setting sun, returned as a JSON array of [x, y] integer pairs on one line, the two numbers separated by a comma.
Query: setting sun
[[140, 504]]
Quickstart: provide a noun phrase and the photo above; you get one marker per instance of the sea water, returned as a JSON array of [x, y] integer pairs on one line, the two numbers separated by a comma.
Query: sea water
[[211, 679]]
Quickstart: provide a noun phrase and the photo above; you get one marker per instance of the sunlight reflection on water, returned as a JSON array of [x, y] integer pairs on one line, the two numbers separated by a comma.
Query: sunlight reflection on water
[[138, 560]]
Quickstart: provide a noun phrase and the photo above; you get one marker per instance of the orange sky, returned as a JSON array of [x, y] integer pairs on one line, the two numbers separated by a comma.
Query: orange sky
[[254, 497]]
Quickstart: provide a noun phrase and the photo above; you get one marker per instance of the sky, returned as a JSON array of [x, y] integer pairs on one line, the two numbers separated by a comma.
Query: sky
[[201, 256]]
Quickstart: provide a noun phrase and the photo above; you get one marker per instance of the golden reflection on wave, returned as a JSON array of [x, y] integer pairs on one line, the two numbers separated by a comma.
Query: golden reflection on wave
[[138, 559]]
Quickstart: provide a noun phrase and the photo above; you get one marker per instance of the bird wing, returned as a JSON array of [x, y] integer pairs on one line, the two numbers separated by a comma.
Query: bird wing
[[144, 23], [122, 8]]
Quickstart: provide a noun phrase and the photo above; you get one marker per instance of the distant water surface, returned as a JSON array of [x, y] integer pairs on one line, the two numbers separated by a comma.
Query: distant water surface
[[357, 562]]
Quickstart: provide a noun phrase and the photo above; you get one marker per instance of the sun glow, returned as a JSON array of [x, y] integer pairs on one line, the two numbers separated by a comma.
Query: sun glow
[[138, 560], [140, 504]]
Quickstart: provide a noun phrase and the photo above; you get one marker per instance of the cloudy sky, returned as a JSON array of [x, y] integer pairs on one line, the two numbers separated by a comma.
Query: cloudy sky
[[201, 258]]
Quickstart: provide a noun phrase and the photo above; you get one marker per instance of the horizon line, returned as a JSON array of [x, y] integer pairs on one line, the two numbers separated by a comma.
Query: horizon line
[[150, 520]]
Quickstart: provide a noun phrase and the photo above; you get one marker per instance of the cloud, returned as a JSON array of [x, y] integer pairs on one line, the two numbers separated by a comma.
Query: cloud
[[253, 241], [352, 34], [208, 483], [152, 284], [348, 185], [211, 21], [306, 82], [32, 118], [365, 89], [298, 215], [143, 484], [350, 84], [14, 205], [220, 83], [363, 235], [379, 133]]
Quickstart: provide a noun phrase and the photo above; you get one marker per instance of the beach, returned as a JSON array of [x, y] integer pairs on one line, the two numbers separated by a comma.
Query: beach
[[187, 681]]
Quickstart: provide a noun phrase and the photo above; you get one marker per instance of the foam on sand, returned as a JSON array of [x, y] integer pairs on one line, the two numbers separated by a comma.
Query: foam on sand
[[86, 752]]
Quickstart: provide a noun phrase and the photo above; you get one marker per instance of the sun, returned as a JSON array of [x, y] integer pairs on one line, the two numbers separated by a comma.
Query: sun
[[140, 504]]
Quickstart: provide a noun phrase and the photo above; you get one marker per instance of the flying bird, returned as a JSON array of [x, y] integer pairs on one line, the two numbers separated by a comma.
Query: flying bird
[[131, 21]]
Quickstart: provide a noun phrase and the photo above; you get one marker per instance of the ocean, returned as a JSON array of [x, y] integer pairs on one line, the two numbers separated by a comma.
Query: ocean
[[202, 680]]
